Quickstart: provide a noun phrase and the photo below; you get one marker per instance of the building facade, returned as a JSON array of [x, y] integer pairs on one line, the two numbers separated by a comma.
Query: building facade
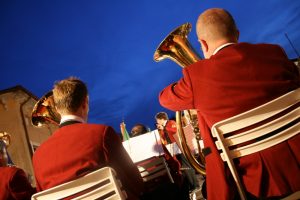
[[16, 105]]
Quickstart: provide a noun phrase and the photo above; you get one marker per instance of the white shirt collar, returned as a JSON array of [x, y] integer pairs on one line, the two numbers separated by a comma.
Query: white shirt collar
[[221, 47], [165, 123], [65, 118]]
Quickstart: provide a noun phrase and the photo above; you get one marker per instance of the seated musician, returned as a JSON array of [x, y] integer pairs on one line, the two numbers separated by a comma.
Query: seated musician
[[167, 129], [138, 129], [14, 184], [78, 147], [233, 78]]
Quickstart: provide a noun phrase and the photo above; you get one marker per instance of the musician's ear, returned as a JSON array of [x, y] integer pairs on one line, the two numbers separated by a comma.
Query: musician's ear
[[204, 47], [86, 103], [237, 35], [84, 108]]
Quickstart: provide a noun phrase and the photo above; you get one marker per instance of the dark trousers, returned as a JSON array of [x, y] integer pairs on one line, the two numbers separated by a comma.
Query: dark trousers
[[189, 175]]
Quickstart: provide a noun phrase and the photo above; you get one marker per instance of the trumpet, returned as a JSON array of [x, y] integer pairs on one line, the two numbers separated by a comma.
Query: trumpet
[[176, 47]]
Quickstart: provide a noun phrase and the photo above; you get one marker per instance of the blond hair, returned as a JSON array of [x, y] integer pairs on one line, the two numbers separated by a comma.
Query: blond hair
[[69, 94]]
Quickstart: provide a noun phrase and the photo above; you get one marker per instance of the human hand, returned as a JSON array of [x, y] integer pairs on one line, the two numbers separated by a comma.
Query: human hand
[[159, 126]]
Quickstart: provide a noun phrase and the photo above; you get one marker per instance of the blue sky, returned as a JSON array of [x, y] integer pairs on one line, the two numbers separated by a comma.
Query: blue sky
[[109, 44]]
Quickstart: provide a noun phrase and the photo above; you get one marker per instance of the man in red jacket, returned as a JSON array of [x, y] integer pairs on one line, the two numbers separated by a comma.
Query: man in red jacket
[[78, 148], [14, 184], [233, 78]]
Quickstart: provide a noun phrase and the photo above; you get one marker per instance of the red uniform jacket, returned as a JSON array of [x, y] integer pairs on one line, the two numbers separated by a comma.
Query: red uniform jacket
[[14, 184], [240, 77], [169, 129], [76, 149]]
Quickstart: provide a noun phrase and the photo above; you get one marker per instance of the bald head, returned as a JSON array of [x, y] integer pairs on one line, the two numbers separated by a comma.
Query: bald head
[[215, 25]]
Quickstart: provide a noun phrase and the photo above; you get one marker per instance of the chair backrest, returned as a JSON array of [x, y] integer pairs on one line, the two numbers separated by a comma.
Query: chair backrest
[[100, 184], [153, 168], [257, 129]]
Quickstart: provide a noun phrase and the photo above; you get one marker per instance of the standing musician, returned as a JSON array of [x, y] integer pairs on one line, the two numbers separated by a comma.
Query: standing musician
[[233, 78], [14, 184], [78, 148]]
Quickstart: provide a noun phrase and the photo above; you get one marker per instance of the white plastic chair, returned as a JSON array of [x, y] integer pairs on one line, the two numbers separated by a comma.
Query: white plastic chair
[[100, 184], [153, 168], [283, 125]]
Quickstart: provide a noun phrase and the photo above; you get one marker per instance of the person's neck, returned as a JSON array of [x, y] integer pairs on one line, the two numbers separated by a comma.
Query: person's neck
[[165, 122], [72, 117], [77, 116], [217, 44]]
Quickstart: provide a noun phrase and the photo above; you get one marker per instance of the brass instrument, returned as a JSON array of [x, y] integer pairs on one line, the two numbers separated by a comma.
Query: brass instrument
[[177, 48], [5, 141], [44, 111], [5, 137]]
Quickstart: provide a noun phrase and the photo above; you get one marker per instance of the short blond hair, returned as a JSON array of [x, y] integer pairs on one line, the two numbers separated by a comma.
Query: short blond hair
[[215, 24], [69, 94]]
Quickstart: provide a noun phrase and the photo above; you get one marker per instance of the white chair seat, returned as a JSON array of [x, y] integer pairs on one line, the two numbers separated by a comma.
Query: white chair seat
[[153, 168], [258, 129], [100, 183]]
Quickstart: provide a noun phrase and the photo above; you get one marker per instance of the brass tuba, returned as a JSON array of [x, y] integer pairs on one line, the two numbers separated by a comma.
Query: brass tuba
[[44, 111], [177, 48]]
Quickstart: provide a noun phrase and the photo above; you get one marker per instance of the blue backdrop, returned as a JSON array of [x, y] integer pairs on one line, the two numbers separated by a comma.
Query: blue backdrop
[[109, 44]]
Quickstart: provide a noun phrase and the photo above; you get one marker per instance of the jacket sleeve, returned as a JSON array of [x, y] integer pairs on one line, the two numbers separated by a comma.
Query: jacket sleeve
[[171, 127], [119, 160], [178, 96]]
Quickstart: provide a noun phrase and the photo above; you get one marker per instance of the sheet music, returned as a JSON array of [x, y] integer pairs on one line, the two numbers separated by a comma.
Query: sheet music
[[148, 145], [190, 139], [144, 146], [173, 149]]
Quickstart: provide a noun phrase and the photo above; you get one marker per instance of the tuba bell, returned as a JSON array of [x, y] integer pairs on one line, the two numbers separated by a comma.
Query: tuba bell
[[176, 47], [44, 111]]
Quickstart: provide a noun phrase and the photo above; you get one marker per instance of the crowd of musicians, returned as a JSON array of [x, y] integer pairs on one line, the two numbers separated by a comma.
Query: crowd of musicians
[[234, 77]]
